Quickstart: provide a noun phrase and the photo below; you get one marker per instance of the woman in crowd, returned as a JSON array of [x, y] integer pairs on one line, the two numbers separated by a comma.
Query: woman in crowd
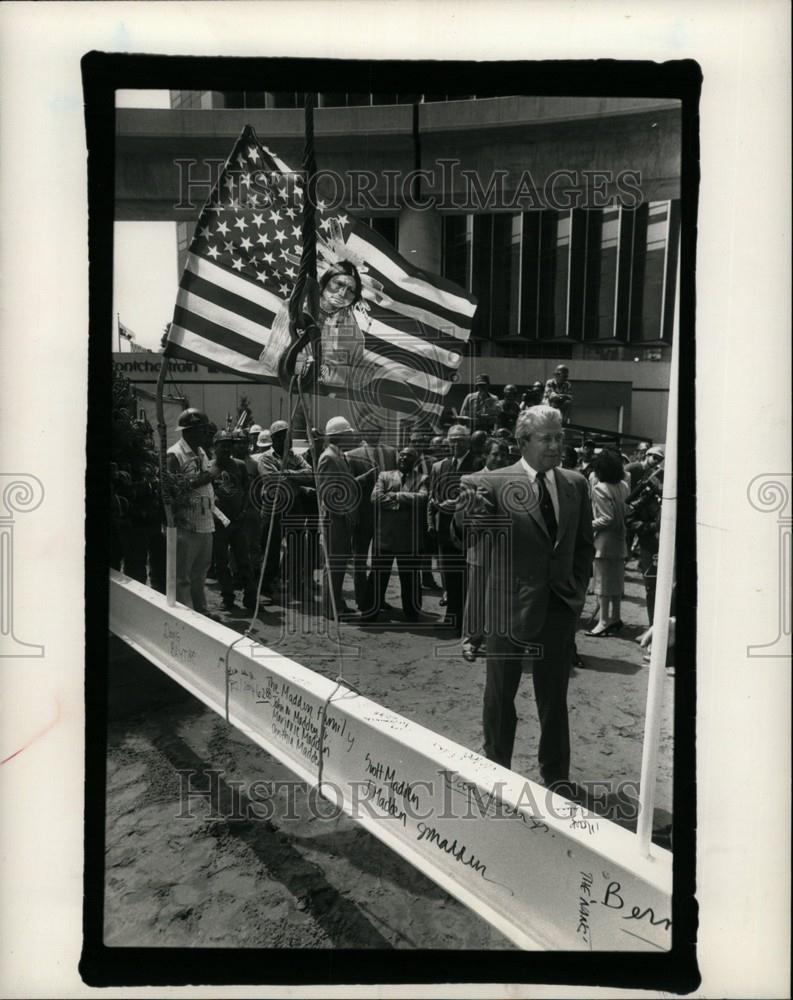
[[609, 492]]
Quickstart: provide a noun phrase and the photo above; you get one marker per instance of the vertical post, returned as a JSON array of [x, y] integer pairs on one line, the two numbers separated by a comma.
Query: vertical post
[[663, 601], [170, 526], [118, 331]]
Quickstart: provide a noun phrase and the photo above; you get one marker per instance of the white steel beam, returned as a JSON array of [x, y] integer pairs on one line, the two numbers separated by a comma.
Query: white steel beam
[[546, 873]]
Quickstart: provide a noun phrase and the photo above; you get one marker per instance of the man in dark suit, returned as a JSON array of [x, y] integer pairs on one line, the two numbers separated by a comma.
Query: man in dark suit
[[370, 456], [536, 587], [444, 488], [399, 500]]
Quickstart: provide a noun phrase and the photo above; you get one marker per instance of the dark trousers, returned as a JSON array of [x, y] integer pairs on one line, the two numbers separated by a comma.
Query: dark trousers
[[361, 540], [453, 571], [550, 673], [409, 581], [337, 535], [143, 543], [234, 541], [272, 564], [648, 571]]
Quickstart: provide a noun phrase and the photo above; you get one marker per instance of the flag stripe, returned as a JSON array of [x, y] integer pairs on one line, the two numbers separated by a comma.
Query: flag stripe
[[250, 312], [217, 334], [199, 356], [448, 292], [414, 336], [399, 300], [411, 284], [441, 328], [228, 318], [391, 351], [232, 282], [422, 380], [217, 354]]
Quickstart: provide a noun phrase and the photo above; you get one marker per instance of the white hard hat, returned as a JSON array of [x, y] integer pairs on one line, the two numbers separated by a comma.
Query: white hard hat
[[338, 425], [264, 440], [255, 429]]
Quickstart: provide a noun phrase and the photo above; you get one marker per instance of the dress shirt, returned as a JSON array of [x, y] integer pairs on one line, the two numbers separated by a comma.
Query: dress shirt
[[550, 482]]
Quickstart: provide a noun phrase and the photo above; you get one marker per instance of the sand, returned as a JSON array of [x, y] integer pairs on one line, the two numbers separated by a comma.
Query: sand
[[192, 874]]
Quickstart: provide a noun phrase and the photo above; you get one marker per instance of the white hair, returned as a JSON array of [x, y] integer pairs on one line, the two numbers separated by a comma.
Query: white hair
[[459, 427], [531, 418]]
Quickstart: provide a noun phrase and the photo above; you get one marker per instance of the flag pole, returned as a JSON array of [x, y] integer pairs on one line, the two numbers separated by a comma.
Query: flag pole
[[170, 526], [663, 601]]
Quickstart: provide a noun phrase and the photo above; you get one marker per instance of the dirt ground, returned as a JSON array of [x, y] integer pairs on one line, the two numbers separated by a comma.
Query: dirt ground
[[295, 880]]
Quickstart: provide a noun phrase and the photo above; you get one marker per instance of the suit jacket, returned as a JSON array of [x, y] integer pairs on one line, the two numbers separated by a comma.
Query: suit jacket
[[383, 456], [400, 529], [474, 539], [363, 512], [530, 566], [338, 492], [444, 484], [608, 512]]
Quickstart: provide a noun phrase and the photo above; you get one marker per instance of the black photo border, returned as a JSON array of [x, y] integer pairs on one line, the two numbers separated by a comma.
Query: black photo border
[[103, 73]]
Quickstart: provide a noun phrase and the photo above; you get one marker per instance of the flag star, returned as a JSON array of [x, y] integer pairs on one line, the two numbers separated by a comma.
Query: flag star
[[205, 232], [291, 272], [245, 243], [241, 159], [298, 249], [268, 258], [215, 207], [246, 180], [282, 192], [241, 224], [236, 263], [213, 252], [234, 205], [284, 288], [321, 206], [228, 180], [291, 213], [343, 220], [261, 276], [258, 219], [222, 228], [275, 216], [253, 200], [325, 224], [296, 230], [253, 154], [229, 247], [263, 238]]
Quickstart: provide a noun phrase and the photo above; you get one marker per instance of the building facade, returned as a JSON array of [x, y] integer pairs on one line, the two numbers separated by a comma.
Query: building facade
[[562, 215]]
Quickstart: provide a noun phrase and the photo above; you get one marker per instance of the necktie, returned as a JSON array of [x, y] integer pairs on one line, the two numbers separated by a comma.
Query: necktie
[[546, 506]]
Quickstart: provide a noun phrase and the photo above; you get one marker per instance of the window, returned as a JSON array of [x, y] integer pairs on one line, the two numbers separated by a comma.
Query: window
[[386, 225], [568, 276]]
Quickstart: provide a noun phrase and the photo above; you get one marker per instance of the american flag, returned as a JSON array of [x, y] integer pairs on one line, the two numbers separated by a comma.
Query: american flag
[[241, 269]]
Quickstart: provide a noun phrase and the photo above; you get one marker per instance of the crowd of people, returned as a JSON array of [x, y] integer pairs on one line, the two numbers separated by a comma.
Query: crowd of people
[[501, 519]]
